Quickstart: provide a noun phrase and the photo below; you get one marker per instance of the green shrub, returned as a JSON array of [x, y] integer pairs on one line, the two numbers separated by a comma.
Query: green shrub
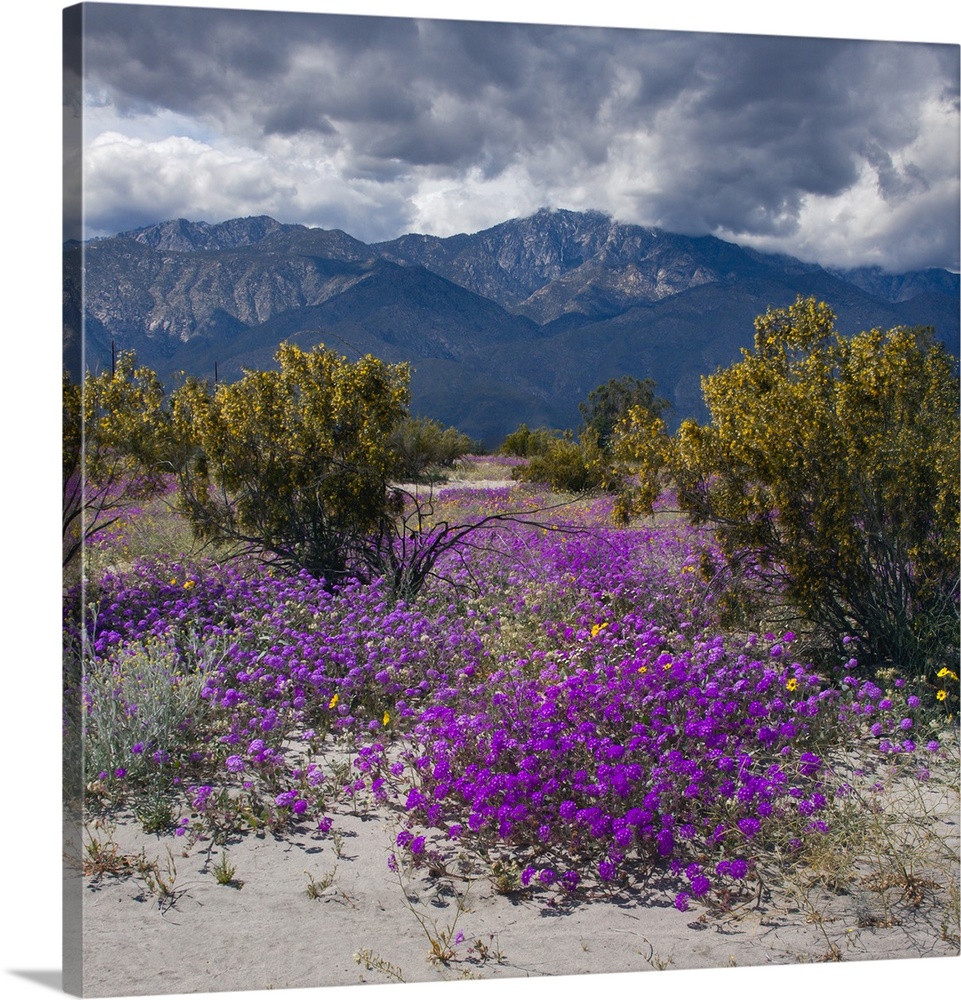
[[527, 443], [422, 444], [294, 464], [609, 403], [144, 716], [567, 467]]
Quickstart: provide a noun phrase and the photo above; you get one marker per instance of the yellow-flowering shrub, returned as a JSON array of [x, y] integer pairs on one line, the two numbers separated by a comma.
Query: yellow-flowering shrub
[[112, 433], [830, 466], [296, 462]]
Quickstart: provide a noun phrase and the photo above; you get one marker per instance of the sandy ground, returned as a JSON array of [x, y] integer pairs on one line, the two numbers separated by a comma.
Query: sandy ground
[[264, 931], [365, 924]]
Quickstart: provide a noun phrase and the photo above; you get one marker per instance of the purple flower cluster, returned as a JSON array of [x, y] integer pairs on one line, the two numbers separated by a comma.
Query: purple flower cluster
[[562, 693], [618, 762]]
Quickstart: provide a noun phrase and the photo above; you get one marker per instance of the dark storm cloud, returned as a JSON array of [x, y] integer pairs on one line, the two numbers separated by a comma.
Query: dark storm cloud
[[695, 132]]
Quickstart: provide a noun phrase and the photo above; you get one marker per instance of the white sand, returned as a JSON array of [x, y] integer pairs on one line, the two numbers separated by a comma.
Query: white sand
[[264, 932]]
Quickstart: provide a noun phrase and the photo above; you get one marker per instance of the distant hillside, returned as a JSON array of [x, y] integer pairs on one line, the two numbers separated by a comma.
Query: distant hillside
[[513, 324]]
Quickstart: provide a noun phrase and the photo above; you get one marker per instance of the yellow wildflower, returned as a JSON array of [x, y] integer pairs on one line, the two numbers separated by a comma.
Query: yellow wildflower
[[597, 628], [941, 695], [791, 685], [333, 701], [189, 584], [386, 718]]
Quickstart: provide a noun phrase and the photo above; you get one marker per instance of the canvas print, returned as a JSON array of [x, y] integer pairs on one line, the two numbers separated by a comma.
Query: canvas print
[[510, 500]]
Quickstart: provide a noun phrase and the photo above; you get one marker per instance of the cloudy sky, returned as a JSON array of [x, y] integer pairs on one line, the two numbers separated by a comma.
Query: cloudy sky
[[840, 151]]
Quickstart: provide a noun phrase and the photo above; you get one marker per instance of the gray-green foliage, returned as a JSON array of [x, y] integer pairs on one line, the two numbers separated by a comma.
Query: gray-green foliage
[[142, 715]]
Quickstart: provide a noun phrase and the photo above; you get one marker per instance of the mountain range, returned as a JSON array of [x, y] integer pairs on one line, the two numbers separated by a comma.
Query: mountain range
[[514, 324]]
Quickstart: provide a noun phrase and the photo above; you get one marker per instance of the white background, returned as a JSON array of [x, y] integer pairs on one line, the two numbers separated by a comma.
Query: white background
[[29, 571]]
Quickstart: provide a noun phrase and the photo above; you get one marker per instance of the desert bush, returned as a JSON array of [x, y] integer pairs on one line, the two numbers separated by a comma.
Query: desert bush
[[609, 403], [144, 720], [526, 443], [110, 449], [566, 466], [829, 468], [293, 463], [421, 444]]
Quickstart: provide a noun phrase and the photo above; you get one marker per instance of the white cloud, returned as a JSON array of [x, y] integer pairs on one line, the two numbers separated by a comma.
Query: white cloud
[[149, 180], [901, 214]]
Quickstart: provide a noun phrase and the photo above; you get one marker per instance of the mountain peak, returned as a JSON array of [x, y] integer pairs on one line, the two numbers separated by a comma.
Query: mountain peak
[[179, 235]]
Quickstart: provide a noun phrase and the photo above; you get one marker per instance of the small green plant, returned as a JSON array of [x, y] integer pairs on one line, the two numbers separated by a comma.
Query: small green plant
[[505, 876], [653, 959], [158, 881], [224, 871], [374, 963], [102, 857], [155, 816], [317, 887], [489, 949], [443, 940]]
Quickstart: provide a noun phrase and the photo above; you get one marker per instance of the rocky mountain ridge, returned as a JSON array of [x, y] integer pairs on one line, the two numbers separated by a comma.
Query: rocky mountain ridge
[[513, 324]]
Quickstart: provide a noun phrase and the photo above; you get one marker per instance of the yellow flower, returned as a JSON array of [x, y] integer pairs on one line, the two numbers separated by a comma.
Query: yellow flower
[[333, 701], [173, 583], [188, 584], [642, 670], [597, 628], [386, 718], [667, 666], [791, 685], [942, 695]]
